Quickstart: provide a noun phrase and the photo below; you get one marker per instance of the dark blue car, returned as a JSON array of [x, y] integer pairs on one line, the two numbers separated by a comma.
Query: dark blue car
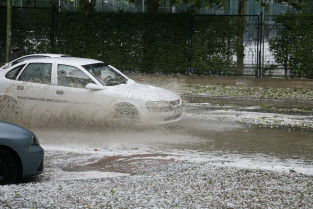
[[20, 153]]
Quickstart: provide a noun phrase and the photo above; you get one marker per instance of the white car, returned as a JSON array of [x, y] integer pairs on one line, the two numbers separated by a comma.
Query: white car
[[30, 56], [84, 88]]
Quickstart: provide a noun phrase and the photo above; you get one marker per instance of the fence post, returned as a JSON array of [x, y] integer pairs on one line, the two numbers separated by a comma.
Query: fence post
[[190, 22], [260, 48], [257, 47], [258, 72], [53, 11], [9, 36]]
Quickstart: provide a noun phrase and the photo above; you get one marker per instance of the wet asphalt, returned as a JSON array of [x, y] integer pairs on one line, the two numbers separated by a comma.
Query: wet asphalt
[[194, 163]]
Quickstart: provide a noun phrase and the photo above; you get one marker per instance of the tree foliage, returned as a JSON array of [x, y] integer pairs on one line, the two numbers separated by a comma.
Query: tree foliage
[[296, 4], [192, 5], [151, 42], [214, 42], [292, 47], [87, 5], [165, 43]]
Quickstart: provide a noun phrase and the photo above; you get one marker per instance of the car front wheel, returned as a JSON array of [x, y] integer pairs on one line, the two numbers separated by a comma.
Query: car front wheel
[[9, 168], [126, 113]]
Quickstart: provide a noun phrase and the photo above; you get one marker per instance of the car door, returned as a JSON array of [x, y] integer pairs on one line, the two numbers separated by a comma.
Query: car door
[[82, 103], [34, 90]]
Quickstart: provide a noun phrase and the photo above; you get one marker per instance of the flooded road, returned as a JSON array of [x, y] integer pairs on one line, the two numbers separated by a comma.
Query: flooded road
[[242, 139], [207, 160], [193, 136]]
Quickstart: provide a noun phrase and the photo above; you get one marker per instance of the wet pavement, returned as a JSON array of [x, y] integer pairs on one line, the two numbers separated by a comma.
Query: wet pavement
[[216, 156], [249, 140], [191, 135]]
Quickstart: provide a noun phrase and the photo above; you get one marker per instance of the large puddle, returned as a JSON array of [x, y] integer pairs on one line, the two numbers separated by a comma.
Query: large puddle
[[189, 135], [235, 138]]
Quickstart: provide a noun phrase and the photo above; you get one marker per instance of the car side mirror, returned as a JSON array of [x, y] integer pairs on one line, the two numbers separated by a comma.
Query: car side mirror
[[94, 86]]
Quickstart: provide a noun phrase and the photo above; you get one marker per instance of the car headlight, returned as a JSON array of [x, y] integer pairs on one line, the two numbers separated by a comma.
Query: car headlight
[[159, 106], [35, 140]]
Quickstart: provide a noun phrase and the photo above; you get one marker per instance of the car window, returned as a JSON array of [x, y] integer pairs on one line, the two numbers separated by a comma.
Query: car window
[[105, 74], [72, 77], [12, 74], [37, 73], [27, 58]]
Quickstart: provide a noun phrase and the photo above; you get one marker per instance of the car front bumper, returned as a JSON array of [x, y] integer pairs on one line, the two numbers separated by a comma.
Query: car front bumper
[[148, 117], [32, 160]]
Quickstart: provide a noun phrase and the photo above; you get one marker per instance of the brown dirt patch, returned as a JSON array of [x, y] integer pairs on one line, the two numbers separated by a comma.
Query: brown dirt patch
[[130, 164]]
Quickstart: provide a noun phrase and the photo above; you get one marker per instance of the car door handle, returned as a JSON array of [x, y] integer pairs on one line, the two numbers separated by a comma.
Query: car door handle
[[20, 87], [59, 92]]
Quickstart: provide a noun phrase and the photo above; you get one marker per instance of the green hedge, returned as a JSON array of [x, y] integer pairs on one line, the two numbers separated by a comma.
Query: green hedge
[[31, 29], [214, 44], [154, 43], [164, 43], [158, 43], [3, 19], [129, 41], [293, 45]]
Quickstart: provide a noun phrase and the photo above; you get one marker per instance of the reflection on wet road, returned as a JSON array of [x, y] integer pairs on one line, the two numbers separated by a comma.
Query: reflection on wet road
[[190, 135], [228, 136]]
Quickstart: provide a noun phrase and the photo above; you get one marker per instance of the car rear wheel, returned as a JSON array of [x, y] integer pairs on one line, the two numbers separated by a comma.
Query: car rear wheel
[[9, 109], [9, 168]]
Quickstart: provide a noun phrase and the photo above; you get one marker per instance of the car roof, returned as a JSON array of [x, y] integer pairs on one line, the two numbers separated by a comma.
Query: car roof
[[32, 56], [47, 54], [66, 60]]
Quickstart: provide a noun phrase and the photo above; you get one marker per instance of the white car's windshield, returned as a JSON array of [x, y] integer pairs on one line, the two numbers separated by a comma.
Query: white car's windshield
[[106, 75]]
